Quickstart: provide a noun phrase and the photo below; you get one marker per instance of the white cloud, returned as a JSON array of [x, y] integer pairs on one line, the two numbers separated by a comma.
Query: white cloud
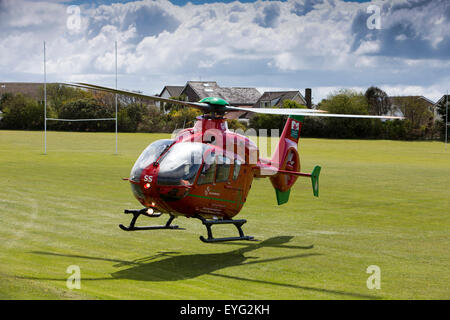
[[322, 44]]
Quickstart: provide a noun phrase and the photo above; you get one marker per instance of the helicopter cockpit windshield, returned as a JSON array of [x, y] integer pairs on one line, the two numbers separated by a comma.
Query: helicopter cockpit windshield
[[149, 155], [181, 163]]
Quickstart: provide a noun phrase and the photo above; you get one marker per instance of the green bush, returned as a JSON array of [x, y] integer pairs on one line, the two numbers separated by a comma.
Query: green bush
[[347, 102], [84, 109], [395, 130], [58, 95], [21, 113], [129, 117], [234, 124], [183, 118], [155, 121]]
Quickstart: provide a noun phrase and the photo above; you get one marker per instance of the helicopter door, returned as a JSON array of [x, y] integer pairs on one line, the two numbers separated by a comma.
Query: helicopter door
[[205, 184], [239, 194], [208, 170], [223, 169], [214, 182]]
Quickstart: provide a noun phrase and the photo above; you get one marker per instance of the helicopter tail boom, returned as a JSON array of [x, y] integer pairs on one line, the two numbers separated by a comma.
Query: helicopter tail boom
[[286, 160]]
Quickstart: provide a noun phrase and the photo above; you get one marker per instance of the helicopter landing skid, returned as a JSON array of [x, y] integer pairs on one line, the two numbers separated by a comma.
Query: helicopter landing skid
[[144, 212], [237, 223]]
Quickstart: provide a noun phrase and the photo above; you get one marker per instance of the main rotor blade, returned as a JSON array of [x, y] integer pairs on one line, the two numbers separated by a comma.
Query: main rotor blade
[[307, 113], [198, 105], [290, 111]]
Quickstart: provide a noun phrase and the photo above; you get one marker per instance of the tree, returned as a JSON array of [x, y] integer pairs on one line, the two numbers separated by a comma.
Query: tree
[[130, 116], [378, 101], [419, 119], [167, 106], [58, 95], [396, 130], [235, 124], [21, 113], [184, 117], [155, 121], [5, 98], [107, 100], [441, 106], [346, 102], [441, 110], [85, 109]]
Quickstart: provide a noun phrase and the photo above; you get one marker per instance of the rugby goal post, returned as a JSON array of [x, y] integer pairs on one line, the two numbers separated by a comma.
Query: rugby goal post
[[75, 120]]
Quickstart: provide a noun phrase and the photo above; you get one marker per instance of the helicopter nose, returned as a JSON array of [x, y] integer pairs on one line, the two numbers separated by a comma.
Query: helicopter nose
[[147, 186], [147, 181]]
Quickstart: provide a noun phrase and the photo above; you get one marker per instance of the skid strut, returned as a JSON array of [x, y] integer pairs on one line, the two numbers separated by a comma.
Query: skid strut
[[144, 212], [237, 223]]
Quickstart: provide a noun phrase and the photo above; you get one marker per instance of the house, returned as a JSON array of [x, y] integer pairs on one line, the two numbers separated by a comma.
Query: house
[[29, 89], [274, 99], [442, 101], [171, 91], [399, 103], [198, 90], [236, 96]]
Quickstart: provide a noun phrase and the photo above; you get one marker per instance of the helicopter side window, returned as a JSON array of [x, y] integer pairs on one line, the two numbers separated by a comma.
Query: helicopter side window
[[236, 169], [223, 169], [208, 170]]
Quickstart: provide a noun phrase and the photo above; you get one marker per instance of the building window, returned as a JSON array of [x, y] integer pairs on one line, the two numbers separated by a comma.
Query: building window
[[265, 104]]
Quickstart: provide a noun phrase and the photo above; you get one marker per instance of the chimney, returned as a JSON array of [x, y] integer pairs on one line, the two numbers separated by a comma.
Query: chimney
[[308, 98]]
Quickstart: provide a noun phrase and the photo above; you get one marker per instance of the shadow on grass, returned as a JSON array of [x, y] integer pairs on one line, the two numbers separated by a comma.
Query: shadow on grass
[[172, 266]]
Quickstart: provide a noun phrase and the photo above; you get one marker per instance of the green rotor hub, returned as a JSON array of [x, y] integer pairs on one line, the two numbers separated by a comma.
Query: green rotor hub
[[215, 101]]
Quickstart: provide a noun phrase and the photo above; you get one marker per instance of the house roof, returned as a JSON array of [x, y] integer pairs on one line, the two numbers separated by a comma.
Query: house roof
[[174, 91], [280, 95], [31, 89], [240, 96], [233, 95], [400, 98], [444, 98], [204, 89]]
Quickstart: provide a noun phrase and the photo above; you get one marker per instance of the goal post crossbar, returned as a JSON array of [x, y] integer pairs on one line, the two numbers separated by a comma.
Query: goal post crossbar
[[69, 120]]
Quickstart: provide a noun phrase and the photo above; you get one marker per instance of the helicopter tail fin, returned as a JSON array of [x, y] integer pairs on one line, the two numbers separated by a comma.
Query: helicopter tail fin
[[286, 158]]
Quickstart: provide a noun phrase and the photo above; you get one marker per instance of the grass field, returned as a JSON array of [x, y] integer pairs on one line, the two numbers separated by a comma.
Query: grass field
[[383, 203]]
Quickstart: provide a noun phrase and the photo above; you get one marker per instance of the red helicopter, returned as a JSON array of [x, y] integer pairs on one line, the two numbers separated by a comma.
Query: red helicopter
[[206, 172]]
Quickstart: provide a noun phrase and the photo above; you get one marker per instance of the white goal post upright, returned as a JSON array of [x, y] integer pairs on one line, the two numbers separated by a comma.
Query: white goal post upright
[[45, 104], [446, 121], [75, 120], [115, 45]]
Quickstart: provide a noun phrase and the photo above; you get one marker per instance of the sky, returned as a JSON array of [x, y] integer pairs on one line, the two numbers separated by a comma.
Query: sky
[[401, 46]]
